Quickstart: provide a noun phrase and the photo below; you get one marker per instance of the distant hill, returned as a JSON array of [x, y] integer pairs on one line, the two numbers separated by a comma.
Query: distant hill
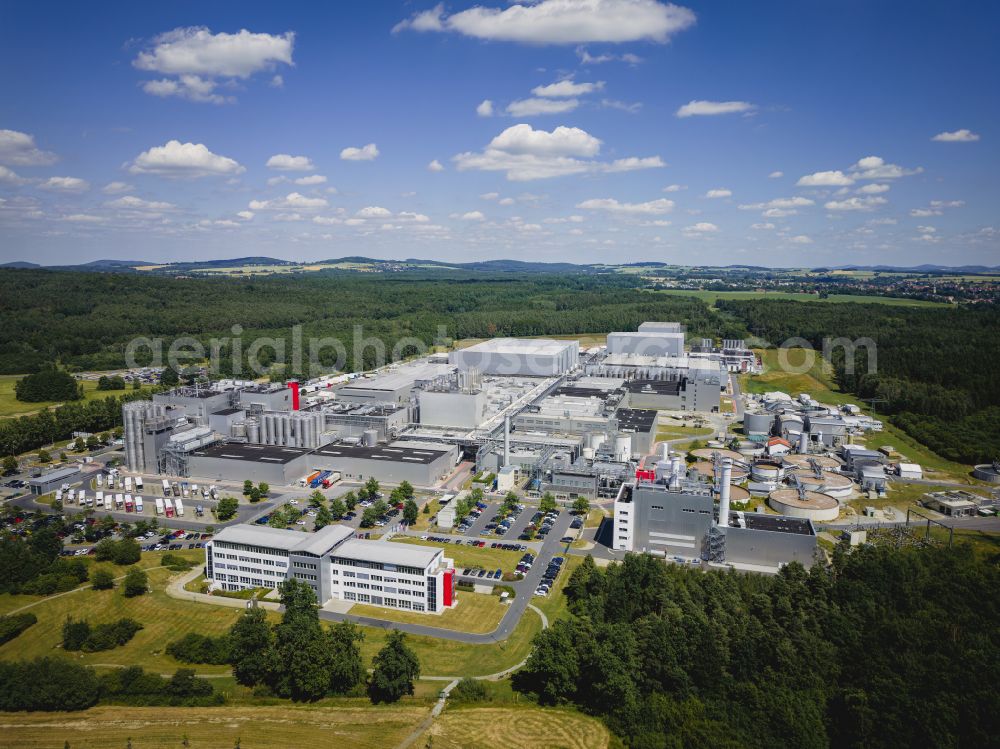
[[20, 264], [925, 268]]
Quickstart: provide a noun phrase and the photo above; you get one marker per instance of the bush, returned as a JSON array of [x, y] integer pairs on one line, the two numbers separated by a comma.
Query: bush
[[79, 635], [175, 562], [126, 551], [471, 690], [48, 385], [136, 582], [196, 648], [13, 625], [134, 686], [102, 579], [47, 684]]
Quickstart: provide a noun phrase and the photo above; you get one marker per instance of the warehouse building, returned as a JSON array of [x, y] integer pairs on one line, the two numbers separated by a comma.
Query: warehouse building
[[49, 482], [699, 394], [528, 357], [394, 386], [422, 464], [334, 564], [239, 461]]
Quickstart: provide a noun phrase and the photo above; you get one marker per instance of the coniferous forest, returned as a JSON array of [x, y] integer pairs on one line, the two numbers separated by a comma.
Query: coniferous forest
[[887, 648]]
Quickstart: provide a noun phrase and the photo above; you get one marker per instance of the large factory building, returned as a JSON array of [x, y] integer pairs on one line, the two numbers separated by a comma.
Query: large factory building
[[528, 357]]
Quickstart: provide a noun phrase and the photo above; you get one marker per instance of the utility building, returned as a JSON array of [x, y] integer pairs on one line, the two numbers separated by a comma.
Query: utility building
[[528, 357]]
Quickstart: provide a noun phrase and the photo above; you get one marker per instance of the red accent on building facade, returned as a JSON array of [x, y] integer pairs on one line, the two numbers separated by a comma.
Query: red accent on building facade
[[449, 587], [294, 385]]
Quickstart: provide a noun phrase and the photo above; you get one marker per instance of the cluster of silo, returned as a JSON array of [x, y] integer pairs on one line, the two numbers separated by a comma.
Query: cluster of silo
[[134, 417], [287, 429]]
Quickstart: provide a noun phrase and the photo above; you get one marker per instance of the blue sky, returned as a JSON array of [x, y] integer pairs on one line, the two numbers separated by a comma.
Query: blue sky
[[782, 134]]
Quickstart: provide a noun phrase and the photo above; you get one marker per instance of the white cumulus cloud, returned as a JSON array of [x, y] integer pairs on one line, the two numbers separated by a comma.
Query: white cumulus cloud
[[365, 153], [719, 192], [374, 211], [560, 21], [855, 204], [533, 107], [874, 188], [292, 202], [312, 179], [801, 239], [957, 136], [825, 179], [176, 159], [65, 184], [650, 208], [19, 149], [876, 168], [701, 108], [116, 188], [435, 166], [567, 88], [284, 162], [138, 205], [485, 108], [776, 175], [196, 59]]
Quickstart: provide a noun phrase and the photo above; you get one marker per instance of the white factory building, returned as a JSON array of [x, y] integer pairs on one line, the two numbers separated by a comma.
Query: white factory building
[[334, 564], [652, 339], [528, 357]]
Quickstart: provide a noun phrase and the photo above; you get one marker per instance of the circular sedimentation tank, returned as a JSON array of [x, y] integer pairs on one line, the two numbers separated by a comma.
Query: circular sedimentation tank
[[707, 468], [989, 472], [767, 470], [738, 494], [808, 505], [829, 483], [706, 453], [802, 461]]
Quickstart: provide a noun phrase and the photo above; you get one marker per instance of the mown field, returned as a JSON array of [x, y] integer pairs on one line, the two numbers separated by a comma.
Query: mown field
[[514, 728], [710, 297], [475, 612], [11, 406], [472, 556]]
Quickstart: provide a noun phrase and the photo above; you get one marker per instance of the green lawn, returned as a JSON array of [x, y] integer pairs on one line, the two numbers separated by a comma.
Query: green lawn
[[11, 406], [470, 556], [474, 612], [677, 432], [710, 297]]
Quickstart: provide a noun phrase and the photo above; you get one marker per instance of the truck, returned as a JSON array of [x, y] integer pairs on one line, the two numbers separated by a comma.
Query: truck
[[166, 488], [129, 506], [109, 504], [70, 495], [307, 480], [176, 489], [138, 483], [332, 479], [120, 501], [138, 504], [128, 483], [168, 507], [59, 496], [185, 489], [179, 507], [99, 480], [315, 483], [159, 505], [100, 498]]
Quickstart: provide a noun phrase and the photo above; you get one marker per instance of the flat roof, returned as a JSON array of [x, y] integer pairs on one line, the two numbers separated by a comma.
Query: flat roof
[[582, 392], [641, 419], [403, 377], [56, 475], [399, 454], [281, 538], [657, 387], [388, 552], [227, 412], [253, 453], [518, 346], [778, 524]]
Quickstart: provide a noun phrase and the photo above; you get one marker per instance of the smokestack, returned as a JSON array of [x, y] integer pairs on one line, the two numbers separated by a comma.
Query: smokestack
[[294, 385], [804, 442], [506, 441], [727, 478]]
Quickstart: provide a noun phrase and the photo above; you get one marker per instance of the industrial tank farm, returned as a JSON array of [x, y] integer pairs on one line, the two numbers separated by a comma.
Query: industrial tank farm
[[804, 504], [805, 461]]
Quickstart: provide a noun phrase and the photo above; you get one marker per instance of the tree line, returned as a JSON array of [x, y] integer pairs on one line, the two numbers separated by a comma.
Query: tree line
[[886, 648]]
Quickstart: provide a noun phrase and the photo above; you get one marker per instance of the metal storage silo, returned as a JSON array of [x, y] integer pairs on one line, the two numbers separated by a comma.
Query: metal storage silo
[[253, 431], [371, 437]]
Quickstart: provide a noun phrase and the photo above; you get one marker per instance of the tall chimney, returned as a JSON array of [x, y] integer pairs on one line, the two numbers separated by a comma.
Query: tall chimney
[[506, 441], [294, 385], [727, 478]]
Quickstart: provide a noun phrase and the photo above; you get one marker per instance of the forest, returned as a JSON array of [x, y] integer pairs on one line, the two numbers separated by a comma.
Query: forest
[[935, 368], [85, 320], [886, 648]]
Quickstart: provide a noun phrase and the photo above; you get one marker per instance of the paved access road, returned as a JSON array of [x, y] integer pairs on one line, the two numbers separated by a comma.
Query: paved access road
[[524, 590]]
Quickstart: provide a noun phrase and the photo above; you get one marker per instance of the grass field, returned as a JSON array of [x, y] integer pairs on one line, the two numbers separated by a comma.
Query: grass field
[[470, 556], [678, 432], [514, 728], [258, 727], [710, 297], [11, 406], [475, 612]]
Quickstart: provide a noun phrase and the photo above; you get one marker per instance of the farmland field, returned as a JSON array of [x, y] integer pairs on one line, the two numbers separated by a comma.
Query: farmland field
[[11, 406], [710, 297]]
